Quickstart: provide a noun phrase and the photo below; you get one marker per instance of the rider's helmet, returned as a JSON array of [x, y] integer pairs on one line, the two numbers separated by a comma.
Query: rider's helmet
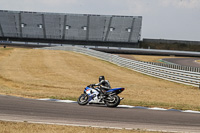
[[101, 78]]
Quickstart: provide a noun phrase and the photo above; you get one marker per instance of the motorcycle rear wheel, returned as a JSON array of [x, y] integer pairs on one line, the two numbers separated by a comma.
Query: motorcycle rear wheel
[[113, 101], [83, 99]]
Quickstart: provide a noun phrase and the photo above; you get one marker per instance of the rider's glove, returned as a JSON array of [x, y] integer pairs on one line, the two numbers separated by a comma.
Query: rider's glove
[[92, 84]]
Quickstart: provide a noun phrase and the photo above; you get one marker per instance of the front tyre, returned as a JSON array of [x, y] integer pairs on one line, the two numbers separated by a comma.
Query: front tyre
[[83, 99], [112, 101]]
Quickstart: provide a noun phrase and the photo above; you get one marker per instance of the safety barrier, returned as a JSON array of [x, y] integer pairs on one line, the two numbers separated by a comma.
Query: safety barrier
[[148, 68]]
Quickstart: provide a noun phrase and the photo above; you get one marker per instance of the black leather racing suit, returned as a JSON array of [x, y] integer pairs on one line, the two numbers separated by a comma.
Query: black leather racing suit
[[104, 85]]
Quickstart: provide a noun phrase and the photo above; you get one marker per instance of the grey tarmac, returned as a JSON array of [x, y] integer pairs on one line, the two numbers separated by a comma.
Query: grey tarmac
[[191, 62], [36, 111]]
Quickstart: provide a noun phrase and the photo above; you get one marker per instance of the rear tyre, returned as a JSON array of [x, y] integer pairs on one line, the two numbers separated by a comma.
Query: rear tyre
[[112, 101], [83, 99]]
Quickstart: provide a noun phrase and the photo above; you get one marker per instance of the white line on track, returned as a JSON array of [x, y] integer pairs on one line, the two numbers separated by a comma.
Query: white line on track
[[127, 106]]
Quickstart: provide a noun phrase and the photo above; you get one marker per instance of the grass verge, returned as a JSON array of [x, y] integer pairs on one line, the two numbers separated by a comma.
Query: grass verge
[[24, 127], [36, 73]]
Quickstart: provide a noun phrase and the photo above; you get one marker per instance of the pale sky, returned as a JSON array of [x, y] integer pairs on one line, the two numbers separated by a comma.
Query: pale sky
[[162, 19]]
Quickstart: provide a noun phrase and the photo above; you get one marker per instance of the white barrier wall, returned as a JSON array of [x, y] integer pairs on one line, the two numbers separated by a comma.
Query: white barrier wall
[[148, 68]]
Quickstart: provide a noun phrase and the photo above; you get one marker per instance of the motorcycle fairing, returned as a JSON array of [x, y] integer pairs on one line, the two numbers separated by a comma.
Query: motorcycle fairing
[[92, 93], [115, 90]]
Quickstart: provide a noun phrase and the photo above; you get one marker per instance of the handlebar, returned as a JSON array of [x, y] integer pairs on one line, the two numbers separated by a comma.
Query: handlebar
[[92, 85]]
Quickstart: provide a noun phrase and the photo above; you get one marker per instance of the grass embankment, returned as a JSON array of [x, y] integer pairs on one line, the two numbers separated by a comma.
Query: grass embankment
[[38, 73], [23, 127], [149, 58]]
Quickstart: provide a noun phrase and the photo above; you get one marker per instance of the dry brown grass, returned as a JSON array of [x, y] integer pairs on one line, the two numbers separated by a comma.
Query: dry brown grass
[[44, 73], [151, 58], [23, 127]]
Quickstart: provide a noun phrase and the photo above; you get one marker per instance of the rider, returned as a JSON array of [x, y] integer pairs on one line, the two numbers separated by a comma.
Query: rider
[[103, 84]]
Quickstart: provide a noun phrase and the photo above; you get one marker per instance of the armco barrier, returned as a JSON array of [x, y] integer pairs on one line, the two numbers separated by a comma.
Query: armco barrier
[[148, 68]]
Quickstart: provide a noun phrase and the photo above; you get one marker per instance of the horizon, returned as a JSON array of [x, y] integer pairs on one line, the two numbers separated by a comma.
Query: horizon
[[169, 19]]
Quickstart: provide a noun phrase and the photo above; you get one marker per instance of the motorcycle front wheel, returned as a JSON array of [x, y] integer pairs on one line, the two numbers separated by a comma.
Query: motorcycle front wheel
[[112, 101], [83, 99]]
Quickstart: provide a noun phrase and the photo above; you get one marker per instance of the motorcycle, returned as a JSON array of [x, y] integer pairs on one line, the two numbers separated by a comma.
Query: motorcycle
[[97, 96]]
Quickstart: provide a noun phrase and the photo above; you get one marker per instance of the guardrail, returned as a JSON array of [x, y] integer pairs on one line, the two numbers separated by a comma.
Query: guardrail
[[148, 68]]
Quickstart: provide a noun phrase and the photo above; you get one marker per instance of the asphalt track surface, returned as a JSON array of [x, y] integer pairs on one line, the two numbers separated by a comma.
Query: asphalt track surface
[[36, 111], [184, 61]]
